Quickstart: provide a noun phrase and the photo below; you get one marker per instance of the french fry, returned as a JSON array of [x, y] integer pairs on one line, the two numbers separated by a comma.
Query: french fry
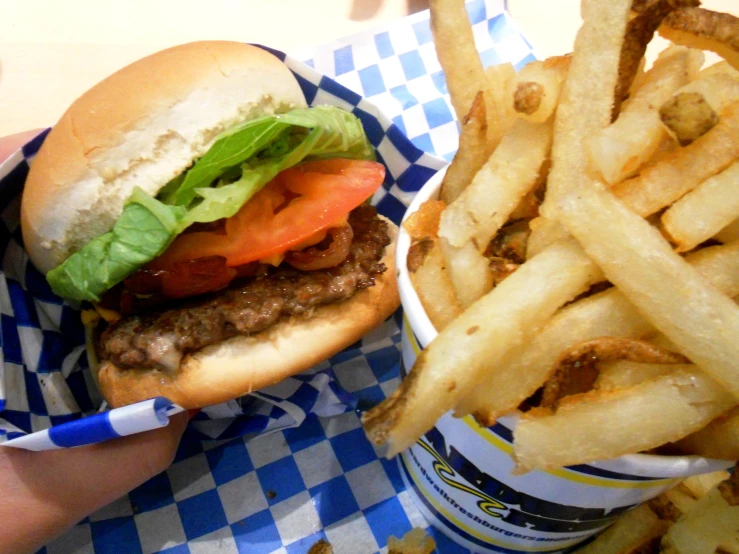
[[701, 321], [680, 171], [455, 48], [720, 89], [585, 105], [638, 6], [424, 222], [706, 210], [623, 373], [673, 504], [434, 288], [711, 526], [498, 323], [469, 271], [620, 149], [527, 97], [718, 266], [638, 80], [704, 29], [700, 485], [657, 515], [688, 117], [500, 114], [658, 339], [609, 313], [639, 32], [730, 233], [322, 546], [498, 187], [575, 370], [472, 153], [415, 541], [537, 88], [722, 67], [510, 243], [599, 425], [637, 528], [719, 439], [544, 232], [626, 373], [528, 207], [510, 381], [717, 86], [472, 220]]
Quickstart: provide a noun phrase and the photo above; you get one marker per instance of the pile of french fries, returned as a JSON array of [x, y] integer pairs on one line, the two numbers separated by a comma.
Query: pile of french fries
[[581, 264], [700, 515]]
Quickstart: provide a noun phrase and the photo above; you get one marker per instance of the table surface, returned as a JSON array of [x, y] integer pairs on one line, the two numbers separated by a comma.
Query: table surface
[[46, 64]]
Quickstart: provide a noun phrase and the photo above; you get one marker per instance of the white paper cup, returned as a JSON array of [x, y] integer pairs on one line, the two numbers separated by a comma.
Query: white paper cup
[[460, 473]]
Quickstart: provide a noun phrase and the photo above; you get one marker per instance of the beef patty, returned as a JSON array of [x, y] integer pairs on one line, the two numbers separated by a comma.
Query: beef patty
[[160, 339]]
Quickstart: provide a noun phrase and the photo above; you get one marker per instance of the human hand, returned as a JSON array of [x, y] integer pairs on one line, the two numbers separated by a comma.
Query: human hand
[[44, 493]]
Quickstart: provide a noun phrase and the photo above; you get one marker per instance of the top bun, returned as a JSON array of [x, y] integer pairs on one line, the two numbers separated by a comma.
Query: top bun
[[141, 127]]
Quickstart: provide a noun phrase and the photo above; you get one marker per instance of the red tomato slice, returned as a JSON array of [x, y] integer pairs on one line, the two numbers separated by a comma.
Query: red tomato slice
[[299, 203]]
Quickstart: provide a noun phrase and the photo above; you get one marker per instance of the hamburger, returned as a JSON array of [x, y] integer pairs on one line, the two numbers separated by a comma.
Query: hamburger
[[214, 229]]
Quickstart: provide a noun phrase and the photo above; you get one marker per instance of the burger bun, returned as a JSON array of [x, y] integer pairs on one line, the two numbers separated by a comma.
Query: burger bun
[[141, 127]]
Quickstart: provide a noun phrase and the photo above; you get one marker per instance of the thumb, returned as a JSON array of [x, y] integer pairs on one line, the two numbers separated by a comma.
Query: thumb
[[55, 489]]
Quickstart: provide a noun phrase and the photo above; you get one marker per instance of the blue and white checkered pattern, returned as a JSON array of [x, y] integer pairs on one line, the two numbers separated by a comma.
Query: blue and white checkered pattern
[[397, 70], [281, 491]]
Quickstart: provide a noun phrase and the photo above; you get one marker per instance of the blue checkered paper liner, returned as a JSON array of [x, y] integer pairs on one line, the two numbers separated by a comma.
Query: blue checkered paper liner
[[397, 69], [249, 490]]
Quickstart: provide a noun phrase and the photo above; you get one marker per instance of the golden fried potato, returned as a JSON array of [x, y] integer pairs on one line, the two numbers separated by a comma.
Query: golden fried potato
[[415, 541], [455, 48], [701, 321], [424, 222], [434, 287], [704, 29], [719, 439], [688, 116], [472, 153], [680, 171], [705, 211], [599, 425], [576, 372]]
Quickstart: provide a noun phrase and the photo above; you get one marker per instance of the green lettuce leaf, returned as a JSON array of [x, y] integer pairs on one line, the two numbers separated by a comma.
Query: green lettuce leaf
[[332, 133], [228, 151], [143, 232], [240, 162]]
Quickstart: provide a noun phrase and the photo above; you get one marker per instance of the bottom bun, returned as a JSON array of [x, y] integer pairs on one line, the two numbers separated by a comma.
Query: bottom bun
[[243, 364]]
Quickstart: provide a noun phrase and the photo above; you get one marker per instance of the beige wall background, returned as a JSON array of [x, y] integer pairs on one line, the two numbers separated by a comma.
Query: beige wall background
[[51, 51]]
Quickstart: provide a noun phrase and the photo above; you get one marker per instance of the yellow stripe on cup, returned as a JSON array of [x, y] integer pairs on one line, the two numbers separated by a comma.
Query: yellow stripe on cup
[[411, 336]]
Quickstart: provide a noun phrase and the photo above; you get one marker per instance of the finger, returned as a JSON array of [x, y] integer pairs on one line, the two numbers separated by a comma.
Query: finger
[[55, 489]]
